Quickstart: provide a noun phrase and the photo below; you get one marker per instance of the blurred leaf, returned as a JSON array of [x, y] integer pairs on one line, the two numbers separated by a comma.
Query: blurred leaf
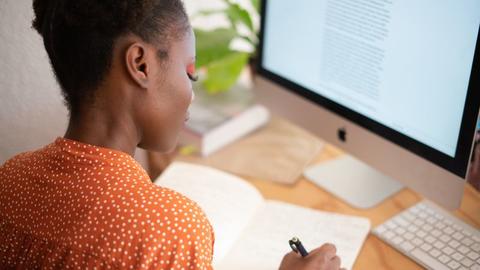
[[223, 73], [222, 64], [207, 13], [248, 39], [256, 5], [213, 45], [237, 14], [188, 150]]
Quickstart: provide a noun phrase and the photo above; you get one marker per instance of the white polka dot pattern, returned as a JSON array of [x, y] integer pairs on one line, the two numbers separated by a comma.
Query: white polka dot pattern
[[72, 205]]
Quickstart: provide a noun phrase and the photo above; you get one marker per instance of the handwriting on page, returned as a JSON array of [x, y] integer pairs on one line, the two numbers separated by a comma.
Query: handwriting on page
[[265, 241]]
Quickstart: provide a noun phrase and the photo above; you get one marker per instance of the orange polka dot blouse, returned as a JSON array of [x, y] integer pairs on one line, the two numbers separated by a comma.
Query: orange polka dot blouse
[[72, 205]]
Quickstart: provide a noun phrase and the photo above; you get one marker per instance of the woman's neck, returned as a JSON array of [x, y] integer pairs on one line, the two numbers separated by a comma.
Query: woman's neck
[[110, 129]]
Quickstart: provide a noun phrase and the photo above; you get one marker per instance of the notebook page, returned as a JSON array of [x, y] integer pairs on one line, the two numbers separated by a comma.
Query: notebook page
[[265, 241], [228, 201]]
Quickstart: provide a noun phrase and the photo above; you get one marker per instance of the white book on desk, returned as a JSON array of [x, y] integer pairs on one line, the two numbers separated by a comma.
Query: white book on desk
[[209, 130], [219, 119], [253, 233]]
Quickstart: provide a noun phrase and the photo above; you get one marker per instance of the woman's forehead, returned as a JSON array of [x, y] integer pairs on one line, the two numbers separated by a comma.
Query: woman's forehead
[[185, 46]]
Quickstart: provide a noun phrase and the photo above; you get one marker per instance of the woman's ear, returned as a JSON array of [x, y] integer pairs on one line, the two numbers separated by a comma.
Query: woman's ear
[[137, 64]]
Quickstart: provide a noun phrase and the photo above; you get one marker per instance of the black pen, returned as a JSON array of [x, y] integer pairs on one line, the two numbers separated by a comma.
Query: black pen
[[297, 246]]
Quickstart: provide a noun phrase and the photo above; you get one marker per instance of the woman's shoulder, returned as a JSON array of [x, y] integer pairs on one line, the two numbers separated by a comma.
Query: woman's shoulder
[[24, 159], [155, 207], [160, 218], [165, 202], [15, 159], [27, 158]]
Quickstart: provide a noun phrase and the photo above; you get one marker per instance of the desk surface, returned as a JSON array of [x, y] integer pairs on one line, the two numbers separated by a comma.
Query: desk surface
[[375, 254]]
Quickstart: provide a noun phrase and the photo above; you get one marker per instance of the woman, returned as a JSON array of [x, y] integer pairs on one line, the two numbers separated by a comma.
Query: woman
[[125, 68]]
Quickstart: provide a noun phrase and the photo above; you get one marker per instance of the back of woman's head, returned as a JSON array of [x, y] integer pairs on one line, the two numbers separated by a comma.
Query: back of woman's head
[[79, 36]]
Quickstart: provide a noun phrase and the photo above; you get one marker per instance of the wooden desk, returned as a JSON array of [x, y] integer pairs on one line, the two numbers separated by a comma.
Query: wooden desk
[[375, 254]]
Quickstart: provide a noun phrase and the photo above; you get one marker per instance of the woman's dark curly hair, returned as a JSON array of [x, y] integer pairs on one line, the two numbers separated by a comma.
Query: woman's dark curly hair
[[79, 36]]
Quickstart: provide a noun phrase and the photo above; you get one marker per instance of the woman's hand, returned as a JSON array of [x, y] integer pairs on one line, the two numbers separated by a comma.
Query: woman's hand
[[322, 258]]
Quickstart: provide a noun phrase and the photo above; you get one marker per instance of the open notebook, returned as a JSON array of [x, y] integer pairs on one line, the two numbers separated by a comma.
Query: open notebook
[[253, 233]]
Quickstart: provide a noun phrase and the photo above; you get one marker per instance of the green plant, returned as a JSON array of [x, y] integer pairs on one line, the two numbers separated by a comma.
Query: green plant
[[220, 65]]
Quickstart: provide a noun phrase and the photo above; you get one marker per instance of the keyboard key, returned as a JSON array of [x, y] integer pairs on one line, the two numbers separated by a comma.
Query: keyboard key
[[444, 259], [427, 247], [475, 267], [448, 230], [467, 241], [436, 233], [457, 227], [401, 221], [458, 235], [400, 230], [421, 234], [476, 247], [467, 232], [427, 227], [406, 246], [390, 225], [430, 239], [417, 241], [454, 244], [467, 262], [463, 249], [429, 210], [439, 244], [453, 264], [408, 216], [440, 225], [445, 238], [428, 260], [435, 252], [431, 220], [414, 210], [473, 255], [397, 240], [448, 250], [409, 236], [476, 238], [412, 228], [457, 256], [419, 222]]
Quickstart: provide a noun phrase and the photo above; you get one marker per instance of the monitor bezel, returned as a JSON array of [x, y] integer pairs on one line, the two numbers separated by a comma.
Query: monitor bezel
[[457, 165]]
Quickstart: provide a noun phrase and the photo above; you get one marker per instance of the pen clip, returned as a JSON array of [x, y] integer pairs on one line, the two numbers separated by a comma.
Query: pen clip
[[297, 246], [293, 245]]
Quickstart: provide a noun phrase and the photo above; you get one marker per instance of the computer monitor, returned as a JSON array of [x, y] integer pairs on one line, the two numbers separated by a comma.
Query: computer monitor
[[393, 83]]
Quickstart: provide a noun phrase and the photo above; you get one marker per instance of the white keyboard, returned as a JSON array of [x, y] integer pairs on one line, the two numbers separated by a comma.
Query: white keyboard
[[432, 237]]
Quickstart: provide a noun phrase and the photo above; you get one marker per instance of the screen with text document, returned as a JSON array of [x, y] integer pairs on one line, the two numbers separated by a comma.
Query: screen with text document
[[405, 64]]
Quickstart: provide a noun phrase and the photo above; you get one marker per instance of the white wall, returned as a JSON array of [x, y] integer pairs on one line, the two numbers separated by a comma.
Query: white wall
[[32, 113], [31, 107]]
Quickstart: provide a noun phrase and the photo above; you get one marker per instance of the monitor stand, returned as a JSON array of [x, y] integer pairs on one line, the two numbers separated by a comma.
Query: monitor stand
[[353, 181]]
